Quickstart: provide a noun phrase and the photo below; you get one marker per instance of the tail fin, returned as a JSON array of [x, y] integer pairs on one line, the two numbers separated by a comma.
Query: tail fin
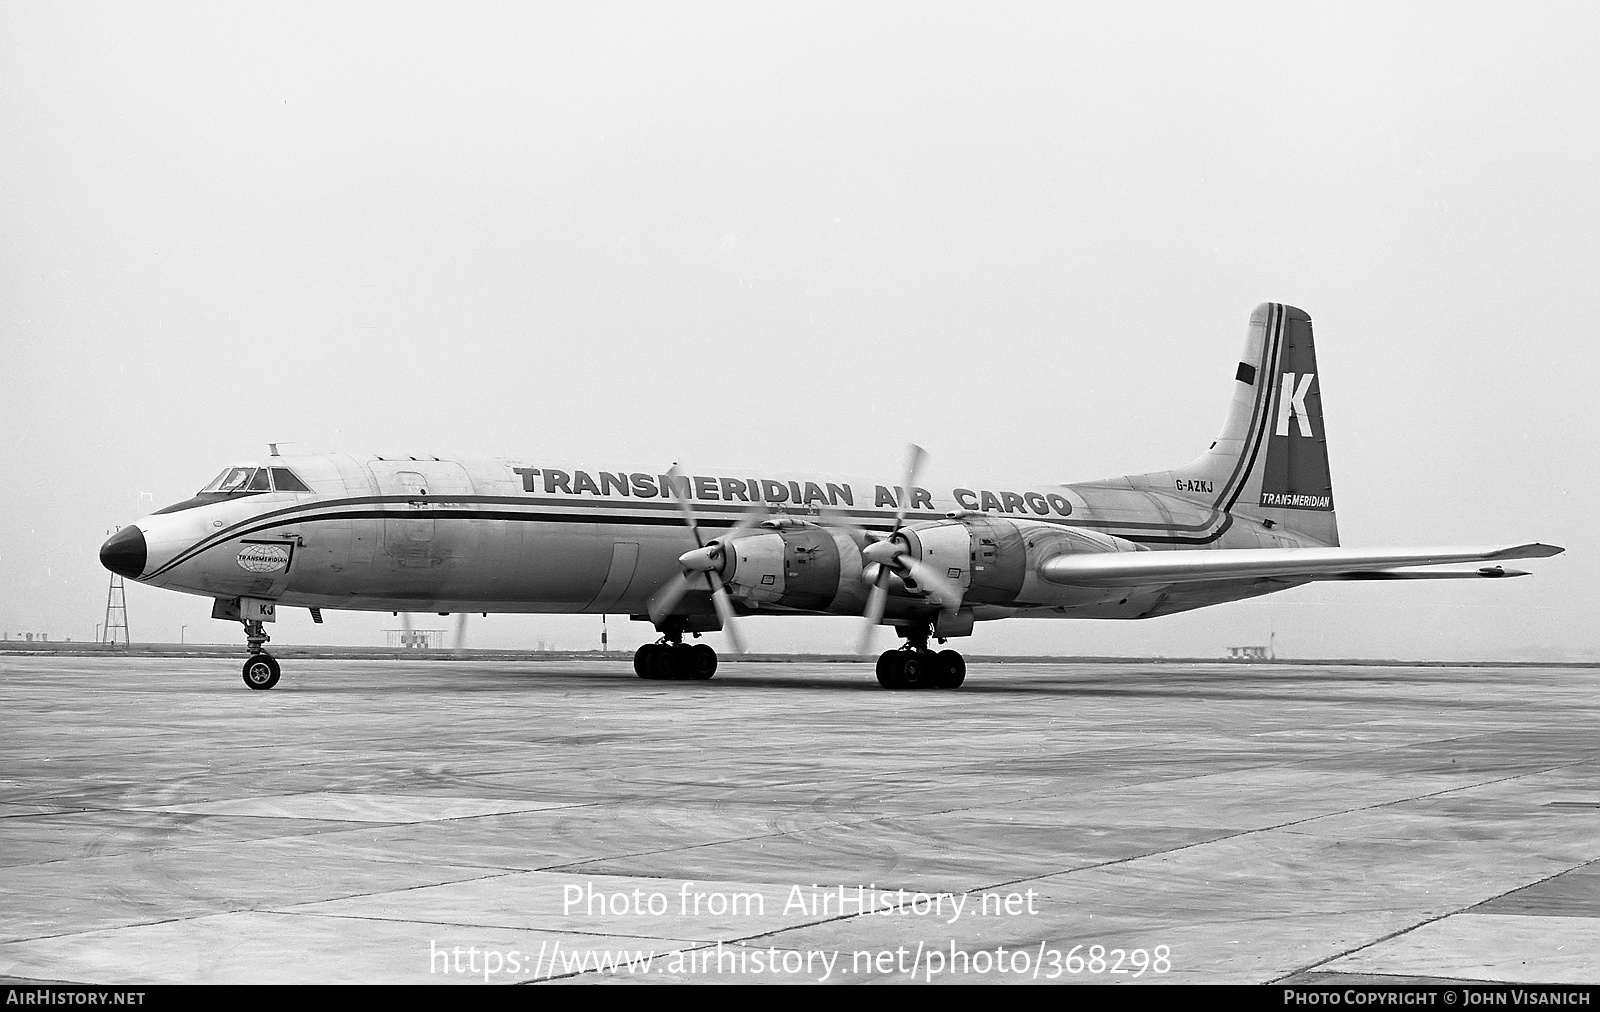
[[1271, 458]]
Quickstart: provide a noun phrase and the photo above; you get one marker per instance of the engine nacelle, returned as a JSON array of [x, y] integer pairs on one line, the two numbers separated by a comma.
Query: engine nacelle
[[800, 566], [995, 560], [990, 560]]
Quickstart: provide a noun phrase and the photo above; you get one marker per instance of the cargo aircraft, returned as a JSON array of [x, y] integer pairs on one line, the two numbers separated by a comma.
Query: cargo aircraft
[[690, 553]]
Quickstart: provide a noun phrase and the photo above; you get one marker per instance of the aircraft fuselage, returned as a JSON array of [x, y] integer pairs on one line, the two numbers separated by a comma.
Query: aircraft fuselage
[[495, 535]]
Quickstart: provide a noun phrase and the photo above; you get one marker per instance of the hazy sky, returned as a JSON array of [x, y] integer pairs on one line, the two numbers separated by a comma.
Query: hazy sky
[[1026, 236]]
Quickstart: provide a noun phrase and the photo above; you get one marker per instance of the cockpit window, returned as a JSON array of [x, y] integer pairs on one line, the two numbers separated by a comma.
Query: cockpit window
[[286, 481], [239, 480], [234, 479]]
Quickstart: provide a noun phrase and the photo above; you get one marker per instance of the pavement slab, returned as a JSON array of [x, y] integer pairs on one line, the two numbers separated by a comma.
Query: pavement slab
[[1252, 823]]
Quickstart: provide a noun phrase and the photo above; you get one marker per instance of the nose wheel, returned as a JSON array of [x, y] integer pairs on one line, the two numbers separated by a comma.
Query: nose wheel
[[261, 671]]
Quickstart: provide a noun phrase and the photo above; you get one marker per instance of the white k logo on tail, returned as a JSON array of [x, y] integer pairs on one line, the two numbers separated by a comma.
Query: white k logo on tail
[[1295, 404]]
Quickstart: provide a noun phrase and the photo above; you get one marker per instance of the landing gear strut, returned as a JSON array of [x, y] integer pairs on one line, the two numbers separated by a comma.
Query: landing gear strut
[[914, 666], [671, 659], [260, 668]]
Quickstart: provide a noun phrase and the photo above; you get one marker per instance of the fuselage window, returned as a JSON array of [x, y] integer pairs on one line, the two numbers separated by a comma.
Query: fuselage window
[[286, 481]]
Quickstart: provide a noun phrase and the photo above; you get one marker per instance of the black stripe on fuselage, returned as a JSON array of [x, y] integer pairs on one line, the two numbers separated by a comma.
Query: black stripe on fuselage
[[1274, 356], [299, 512], [352, 509], [335, 511], [1261, 416]]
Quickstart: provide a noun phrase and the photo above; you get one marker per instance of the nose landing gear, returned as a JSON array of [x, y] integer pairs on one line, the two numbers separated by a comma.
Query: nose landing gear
[[260, 668]]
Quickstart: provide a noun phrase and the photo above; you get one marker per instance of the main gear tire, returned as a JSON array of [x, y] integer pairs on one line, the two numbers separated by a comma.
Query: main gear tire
[[916, 670], [702, 662], [889, 663], [951, 669]]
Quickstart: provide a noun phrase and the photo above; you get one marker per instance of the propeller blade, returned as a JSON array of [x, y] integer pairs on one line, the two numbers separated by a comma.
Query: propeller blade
[[948, 595], [673, 477], [754, 518], [913, 468], [877, 600], [860, 535], [459, 647], [719, 598], [670, 594], [886, 553]]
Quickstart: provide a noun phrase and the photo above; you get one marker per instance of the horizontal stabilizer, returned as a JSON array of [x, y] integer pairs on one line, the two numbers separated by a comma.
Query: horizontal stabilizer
[[1143, 569]]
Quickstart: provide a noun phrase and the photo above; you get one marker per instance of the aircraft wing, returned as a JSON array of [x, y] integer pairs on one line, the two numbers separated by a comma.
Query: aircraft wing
[[1143, 569]]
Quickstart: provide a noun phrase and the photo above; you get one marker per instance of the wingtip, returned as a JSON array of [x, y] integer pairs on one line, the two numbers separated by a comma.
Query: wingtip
[[1535, 550]]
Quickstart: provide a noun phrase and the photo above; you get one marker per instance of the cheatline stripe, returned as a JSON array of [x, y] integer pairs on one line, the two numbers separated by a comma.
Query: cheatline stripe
[[1261, 414], [1272, 384], [248, 528]]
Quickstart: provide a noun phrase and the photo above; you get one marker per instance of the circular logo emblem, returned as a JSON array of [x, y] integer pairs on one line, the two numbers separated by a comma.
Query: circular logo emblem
[[263, 558]]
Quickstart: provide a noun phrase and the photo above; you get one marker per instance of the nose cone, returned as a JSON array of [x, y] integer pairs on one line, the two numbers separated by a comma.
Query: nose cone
[[124, 553]]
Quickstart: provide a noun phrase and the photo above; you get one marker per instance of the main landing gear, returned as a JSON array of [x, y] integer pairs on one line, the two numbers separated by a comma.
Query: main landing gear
[[674, 660], [914, 666], [260, 668], [908, 668]]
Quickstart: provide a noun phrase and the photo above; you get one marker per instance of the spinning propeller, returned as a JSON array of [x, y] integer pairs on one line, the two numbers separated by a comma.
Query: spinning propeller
[[882, 558], [706, 559], [892, 556]]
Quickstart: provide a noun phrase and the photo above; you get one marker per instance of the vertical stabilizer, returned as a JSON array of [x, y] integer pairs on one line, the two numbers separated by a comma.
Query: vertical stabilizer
[[1271, 458]]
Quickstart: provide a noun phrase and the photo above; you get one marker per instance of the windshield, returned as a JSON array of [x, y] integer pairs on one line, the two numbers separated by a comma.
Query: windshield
[[239, 480], [234, 479]]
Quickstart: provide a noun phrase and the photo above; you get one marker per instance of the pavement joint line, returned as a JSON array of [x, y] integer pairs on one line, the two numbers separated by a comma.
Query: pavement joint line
[[115, 927], [1231, 836], [368, 918], [201, 846], [246, 910], [576, 865], [1020, 801], [1530, 885], [1431, 920]]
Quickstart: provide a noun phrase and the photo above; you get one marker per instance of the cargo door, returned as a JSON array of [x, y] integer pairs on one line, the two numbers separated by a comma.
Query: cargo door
[[414, 492]]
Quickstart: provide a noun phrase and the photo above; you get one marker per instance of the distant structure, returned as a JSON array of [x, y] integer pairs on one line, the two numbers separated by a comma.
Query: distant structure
[[116, 613], [1255, 653], [416, 639]]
